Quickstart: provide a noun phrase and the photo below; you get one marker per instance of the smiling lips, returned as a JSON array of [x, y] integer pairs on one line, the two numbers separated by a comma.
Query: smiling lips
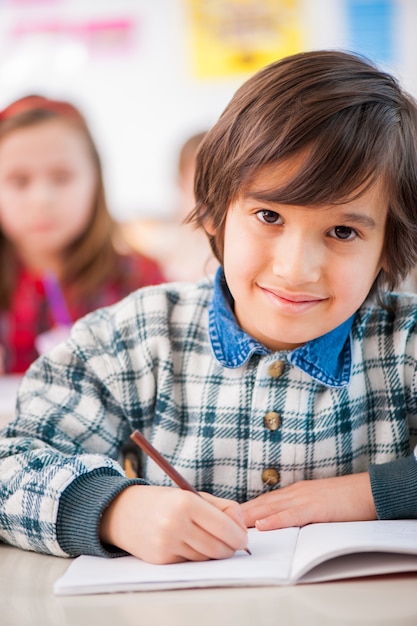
[[292, 303]]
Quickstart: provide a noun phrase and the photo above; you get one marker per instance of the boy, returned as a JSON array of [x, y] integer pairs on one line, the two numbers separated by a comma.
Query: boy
[[287, 384]]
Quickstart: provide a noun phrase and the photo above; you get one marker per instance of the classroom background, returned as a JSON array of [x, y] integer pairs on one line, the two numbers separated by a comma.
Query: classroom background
[[149, 74]]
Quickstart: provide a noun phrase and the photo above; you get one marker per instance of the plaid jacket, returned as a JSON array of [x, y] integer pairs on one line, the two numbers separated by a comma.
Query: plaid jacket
[[152, 362]]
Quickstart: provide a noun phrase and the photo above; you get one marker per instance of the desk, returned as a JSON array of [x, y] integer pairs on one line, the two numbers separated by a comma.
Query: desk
[[26, 599]]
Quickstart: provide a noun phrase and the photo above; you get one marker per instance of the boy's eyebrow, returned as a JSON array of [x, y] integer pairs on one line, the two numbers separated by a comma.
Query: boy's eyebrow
[[359, 218], [351, 216]]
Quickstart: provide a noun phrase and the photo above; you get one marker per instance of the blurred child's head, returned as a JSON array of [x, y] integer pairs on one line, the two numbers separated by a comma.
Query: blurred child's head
[[338, 125], [186, 171], [52, 198]]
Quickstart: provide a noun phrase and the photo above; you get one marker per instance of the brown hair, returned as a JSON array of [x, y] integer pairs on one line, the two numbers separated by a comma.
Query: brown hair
[[89, 259], [352, 123]]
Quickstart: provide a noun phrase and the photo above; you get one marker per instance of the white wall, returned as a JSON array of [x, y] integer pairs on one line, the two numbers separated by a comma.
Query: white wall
[[143, 102]]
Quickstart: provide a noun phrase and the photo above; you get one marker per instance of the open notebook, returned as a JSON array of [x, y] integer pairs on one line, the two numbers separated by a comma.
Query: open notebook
[[314, 553]]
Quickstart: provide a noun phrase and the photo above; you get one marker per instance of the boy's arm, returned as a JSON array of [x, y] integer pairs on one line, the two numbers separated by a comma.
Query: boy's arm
[[81, 508], [61, 450], [388, 491], [343, 498], [41, 489], [59, 479], [394, 488], [53, 491]]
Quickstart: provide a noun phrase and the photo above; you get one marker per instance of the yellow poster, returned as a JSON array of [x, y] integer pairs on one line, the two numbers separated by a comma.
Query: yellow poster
[[229, 37]]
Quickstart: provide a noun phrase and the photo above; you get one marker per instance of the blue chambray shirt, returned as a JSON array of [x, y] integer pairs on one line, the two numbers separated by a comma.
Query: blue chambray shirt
[[327, 359]]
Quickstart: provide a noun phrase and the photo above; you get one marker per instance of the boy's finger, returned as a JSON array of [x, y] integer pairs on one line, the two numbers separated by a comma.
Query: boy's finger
[[230, 507], [223, 521], [294, 516]]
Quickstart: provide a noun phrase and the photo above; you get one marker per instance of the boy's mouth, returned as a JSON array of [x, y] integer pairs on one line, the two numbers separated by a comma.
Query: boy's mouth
[[292, 302]]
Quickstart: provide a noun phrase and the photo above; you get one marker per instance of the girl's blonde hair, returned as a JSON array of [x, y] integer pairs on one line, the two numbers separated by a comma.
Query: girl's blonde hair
[[90, 258]]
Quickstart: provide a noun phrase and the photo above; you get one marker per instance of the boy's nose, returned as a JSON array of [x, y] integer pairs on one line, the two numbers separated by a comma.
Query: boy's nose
[[298, 260]]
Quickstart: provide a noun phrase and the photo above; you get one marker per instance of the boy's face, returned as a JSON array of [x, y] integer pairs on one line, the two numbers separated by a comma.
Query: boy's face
[[295, 272]]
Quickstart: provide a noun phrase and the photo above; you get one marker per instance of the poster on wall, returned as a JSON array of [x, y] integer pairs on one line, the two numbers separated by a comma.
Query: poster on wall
[[231, 37], [371, 28]]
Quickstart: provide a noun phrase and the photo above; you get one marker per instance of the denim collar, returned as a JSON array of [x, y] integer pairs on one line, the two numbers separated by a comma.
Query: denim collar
[[327, 359]]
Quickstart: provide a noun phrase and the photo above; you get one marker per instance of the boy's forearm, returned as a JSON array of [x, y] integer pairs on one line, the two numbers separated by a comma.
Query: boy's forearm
[[80, 510], [51, 502], [394, 488]]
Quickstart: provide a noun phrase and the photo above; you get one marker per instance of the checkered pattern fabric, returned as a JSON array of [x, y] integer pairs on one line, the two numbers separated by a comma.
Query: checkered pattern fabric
[[147, 363]]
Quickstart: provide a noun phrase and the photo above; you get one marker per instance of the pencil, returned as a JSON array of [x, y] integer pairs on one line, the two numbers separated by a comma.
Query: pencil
[[165, 465]]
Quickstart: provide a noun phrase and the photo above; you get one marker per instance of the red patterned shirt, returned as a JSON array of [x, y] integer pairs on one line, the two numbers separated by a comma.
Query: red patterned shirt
[[30, 314]]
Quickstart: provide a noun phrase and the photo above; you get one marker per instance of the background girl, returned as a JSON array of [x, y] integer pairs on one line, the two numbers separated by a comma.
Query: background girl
[[56, 234]]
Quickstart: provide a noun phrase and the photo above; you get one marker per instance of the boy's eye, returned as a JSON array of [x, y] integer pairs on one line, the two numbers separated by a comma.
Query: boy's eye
[[269, 217], [343, 232]]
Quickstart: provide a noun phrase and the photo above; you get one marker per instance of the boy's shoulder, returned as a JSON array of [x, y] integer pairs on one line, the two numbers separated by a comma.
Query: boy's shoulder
[[160, 311], [398, 313], [160, 300], [175, 292]]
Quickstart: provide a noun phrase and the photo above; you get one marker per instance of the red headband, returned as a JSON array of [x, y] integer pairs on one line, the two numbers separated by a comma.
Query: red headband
[[31, 103]]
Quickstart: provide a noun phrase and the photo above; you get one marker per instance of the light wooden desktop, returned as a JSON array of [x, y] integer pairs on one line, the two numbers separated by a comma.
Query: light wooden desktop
[[27, 599]]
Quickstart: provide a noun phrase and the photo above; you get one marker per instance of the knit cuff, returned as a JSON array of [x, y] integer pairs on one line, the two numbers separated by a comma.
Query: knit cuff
[[81, 507], [394, 488]]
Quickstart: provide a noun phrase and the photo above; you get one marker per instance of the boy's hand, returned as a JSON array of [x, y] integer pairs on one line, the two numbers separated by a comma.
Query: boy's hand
[[340, 499], [169, 525]]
